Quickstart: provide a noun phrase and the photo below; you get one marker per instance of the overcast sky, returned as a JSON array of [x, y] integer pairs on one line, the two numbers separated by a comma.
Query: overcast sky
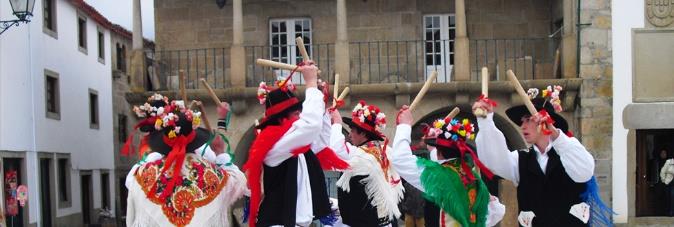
[[119, 12]]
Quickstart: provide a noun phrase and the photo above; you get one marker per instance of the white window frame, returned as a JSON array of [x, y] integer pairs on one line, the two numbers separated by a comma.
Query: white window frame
[[292, 57], [445, 64]]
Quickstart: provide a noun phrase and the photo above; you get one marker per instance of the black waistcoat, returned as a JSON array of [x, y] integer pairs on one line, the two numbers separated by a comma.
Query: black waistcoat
[[280, 192], [355, 208], [549, 195]]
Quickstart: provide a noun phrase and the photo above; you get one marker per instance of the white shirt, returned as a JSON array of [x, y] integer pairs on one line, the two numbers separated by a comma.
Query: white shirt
[[667, 171], [494, 154], [301, 133], [405, 163]]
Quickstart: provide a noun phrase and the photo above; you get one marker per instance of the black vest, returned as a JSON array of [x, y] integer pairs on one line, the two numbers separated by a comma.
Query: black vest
[[549, 195], [355, 207], [280, 192]]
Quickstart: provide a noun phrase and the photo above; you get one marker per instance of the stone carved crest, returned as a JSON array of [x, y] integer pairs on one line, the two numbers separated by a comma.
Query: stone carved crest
[[660, 12]]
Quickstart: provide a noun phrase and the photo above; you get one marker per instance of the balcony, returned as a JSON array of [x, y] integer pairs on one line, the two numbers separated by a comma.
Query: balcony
[[371, 62]]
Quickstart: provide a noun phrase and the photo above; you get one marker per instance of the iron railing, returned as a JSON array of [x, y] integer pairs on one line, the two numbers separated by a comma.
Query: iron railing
[[387, 61], [532, 58], [321, 54], [371, 62], [211, 64]]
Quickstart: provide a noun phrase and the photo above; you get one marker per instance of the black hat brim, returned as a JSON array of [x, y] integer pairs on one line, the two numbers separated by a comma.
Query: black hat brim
[[370, 135], [516, 113], [266, 121], [156, 141]]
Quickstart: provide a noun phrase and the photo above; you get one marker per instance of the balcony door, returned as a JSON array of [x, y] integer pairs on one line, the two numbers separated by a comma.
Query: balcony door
[[282, 34], [439, 34]]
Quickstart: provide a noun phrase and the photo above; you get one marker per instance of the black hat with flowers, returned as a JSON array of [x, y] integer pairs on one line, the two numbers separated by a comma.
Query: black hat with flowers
[[450, 136], [368, 119], [278, 102], [548, 104]]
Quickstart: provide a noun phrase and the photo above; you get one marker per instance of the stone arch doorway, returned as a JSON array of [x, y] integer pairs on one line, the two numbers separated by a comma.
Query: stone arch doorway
[[505, 190]]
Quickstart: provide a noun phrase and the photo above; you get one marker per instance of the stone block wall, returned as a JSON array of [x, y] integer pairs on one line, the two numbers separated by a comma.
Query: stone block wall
[[596, 94], [188, 24]]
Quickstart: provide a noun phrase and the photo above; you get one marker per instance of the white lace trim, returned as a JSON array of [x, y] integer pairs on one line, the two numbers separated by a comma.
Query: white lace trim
[[384, 196]]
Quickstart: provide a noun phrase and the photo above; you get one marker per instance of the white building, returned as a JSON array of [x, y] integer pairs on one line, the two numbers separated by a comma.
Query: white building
[[643, 103], [56, 123]]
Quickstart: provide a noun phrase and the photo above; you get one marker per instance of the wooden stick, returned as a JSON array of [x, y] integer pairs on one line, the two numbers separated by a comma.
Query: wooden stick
[[454, 112], [344, 93], [181, 77], [520, 91], [485, 81], [423, 90], [479, 112], [211, 92], [273, 64], [336, 87], [300, 44], [203, 116]]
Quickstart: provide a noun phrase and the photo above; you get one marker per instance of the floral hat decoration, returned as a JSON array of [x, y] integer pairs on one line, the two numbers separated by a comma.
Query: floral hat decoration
[[369, 119], [548, 105], [451, 136]]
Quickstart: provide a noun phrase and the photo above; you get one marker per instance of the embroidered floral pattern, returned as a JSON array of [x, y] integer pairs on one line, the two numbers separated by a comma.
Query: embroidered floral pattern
[[201, 183]]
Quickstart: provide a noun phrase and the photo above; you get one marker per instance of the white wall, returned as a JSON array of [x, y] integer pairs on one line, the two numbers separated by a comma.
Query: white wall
[[25, 52], [624, 17]]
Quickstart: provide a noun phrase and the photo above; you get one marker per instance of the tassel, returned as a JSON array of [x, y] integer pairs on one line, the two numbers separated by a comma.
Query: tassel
[[246, 209], [600, 213], [329, 219]]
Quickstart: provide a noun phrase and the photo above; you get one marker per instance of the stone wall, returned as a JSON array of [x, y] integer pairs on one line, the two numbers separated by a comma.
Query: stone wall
[[596, 94], [188, 24]]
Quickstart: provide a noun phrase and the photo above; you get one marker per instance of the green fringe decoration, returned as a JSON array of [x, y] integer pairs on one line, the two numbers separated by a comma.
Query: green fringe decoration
[[444, 187]]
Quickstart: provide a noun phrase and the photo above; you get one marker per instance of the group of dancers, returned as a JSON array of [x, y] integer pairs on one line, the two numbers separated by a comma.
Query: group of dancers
[[186, 176]]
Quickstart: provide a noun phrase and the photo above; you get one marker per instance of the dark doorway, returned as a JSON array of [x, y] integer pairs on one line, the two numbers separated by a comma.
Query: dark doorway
[[45, 192], [87, 207], [653, 197]]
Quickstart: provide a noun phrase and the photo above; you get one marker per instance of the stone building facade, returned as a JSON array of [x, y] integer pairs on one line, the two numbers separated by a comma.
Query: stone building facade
[[384, 49]]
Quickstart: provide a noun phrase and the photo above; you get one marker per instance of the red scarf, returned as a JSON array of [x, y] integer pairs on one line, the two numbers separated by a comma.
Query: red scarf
[[263, 143], [463, 149], [175, 160]]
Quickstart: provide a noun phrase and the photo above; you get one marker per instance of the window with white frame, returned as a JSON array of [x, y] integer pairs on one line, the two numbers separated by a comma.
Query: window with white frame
[[439, 35], [282, 34]]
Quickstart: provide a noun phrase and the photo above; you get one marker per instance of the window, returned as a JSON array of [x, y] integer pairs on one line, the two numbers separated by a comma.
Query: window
[[51, 91], [82, 33], [105, 190], [121, 57], [101, 46], [282, 34], [93, 109], [122, 127], [63, 177], [654, 148], [439, 35], [49, 16]]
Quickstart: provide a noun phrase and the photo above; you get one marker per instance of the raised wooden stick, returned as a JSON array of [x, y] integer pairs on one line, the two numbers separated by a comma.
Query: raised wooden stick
[[344, 93], [211, 92], [335, 92], [181, 77], [273, 64], [203, 117], [423, 90], [454, 112], [485, 92], [280, 65], [523, 95], [300, 44]]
